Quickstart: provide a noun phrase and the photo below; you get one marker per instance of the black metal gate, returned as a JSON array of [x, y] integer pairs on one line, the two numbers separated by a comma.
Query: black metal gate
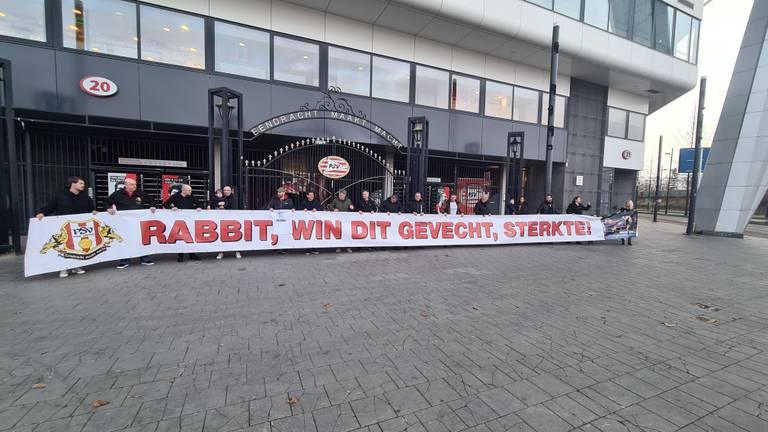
[[295, 167]]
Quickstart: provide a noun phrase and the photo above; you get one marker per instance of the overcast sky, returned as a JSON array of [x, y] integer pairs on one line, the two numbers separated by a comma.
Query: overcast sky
[[722, 30]]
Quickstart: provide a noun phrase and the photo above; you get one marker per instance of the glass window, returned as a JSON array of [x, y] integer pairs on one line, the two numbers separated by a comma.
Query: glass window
[[465, 94], [391, 79], [431, 87], [498, 100], [172, 37], [241, 51], [571, 8], [544, 3], [663, 21], [682, 35], [695, 41], [617, 122], [526, 105], [560, 102], [642, 31], [596, 13], [349, 71], [619, 19], [23, 19], [297, 61], [636, 127], [105, 26]]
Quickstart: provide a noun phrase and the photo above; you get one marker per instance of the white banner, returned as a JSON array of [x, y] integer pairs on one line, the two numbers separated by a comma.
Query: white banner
[[64, 242]]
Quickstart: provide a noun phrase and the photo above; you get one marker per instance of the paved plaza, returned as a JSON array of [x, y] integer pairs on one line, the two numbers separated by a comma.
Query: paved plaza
[[666, 335]]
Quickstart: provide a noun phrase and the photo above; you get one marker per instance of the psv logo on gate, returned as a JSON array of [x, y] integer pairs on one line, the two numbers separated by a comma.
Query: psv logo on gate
[[98, 86], [334, 167]]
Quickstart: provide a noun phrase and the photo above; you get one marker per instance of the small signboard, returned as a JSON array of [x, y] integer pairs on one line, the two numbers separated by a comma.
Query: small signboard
[[685, 160], [98, 86]]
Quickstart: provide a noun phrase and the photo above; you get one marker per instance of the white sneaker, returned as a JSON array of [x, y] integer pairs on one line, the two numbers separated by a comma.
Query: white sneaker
[[78, 270], [237, 255], [63, 273], [220, 256]]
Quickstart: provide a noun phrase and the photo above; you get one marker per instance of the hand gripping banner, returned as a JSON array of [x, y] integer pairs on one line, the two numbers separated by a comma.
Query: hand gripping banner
[[63, 242]]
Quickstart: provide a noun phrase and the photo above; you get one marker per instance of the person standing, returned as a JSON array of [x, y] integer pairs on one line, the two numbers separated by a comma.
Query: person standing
[[630, 216], [522, 206], [183, 200], [217, 202], [575, 207], [511, 207], [391, 205], [281, 201], [417, 206], [227, 201], [548, 206], [366, 204], [310, 203], [481, 207], [341, 202], [130, 198], [451, 206], [72, 200]]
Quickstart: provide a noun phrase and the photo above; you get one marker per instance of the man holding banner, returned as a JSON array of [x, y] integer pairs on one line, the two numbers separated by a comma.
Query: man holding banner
[[70, 201], [130, 198], [183, 200]]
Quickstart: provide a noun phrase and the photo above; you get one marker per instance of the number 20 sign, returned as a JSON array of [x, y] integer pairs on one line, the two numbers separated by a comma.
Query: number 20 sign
[[98, 86]]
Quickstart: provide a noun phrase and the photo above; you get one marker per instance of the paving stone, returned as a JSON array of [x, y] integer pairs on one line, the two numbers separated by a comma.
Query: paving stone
[[540, 418], [407, 400], [501, 401], [528, 393], [339, 418], [372, 410]]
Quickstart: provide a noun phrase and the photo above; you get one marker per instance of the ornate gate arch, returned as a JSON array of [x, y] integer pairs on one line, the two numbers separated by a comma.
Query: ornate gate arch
[[294, 165]]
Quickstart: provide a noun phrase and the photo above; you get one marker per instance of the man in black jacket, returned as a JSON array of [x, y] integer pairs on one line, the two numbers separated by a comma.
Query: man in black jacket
[[575, 207], [391, 205], [482, 208], [548, 206], [130, 198], [366, 204], [417, 206], [228, 201], [281, 201], [183, 200], [310, 203], [72, 200]]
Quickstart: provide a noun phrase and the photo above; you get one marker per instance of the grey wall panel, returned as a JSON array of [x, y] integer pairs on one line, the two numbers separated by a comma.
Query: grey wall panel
[[439, 127], [288, 99], [34, 76], [495, 136], [257, 97], [559, 144], [73, 67], [624, 182], [394, 118], [532, 149], [466, 133], [173, 95]]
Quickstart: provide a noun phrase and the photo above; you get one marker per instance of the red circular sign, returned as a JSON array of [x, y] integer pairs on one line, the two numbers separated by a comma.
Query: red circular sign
[[626, 154], [334, 167], [98, 86]]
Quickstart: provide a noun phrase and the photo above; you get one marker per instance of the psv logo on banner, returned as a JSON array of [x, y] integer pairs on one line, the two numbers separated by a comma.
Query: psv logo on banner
[[334, 167], [81, 240]]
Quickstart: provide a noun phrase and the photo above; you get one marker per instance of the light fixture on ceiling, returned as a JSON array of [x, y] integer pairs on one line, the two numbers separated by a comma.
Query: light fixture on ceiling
[[2, 14], [194, 50], [72, 27], [242, 44], [94, 49], [185, 27], [166, 29], [306, 57], [77, 11]]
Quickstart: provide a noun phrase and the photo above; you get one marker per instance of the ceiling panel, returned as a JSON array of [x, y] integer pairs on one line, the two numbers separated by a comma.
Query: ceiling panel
[[403, 19], [361, 10], [480, 41], [314, 4], [445, 31]]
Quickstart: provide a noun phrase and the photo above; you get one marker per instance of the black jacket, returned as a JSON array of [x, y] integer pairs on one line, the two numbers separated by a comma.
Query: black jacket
[[521, 208], [138, 200], [310, 205], [182, 202], [574, 208], [546, 208], [389, 207], [418, 207], [482, 208], [367, 206], [278, 204], [66, 203], [511, 208]]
